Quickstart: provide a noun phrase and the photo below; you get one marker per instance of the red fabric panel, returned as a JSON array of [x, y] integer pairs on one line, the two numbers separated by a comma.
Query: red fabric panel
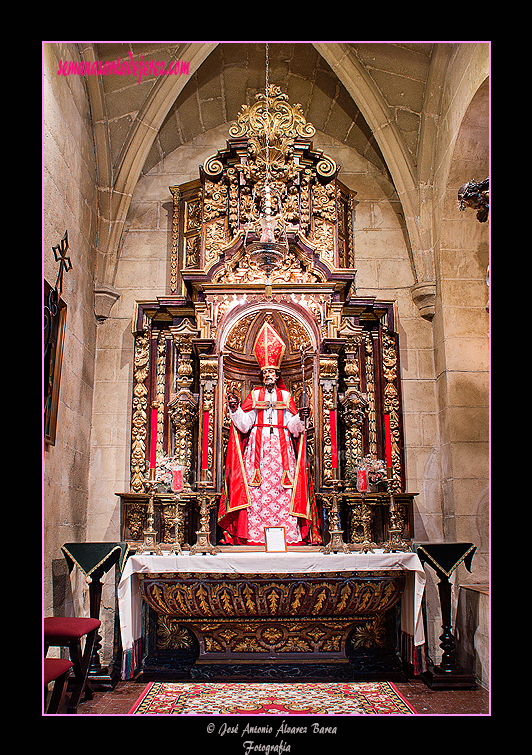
[[334, 449], [205, 449]]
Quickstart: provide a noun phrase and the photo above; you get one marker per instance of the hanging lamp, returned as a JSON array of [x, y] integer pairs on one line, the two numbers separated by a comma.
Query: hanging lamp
[[268, 253]]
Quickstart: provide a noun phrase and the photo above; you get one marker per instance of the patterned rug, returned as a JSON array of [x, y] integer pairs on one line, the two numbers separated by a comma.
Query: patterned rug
[[222, 699]]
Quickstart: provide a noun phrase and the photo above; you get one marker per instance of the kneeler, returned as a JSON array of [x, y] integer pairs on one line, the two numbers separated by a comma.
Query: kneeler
[[56, 670], [60, 631]]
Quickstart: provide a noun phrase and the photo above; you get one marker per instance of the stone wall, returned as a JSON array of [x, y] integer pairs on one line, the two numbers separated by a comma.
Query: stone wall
[[69, 188], [461, 339]]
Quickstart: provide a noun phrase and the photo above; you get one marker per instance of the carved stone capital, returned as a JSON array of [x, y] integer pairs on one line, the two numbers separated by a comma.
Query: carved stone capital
[[424, 297], [104, 298]]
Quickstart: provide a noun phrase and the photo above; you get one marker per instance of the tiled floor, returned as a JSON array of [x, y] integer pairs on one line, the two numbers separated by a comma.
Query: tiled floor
[[426, 701]]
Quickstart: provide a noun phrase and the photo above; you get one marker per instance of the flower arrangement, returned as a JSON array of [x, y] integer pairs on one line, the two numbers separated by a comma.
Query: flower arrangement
[[375, 468], [165, 473]]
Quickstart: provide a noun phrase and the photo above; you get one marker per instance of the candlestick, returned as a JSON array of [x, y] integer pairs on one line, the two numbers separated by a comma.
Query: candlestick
[[388, 439], [336, 543], [206, 502], [396, 523], [150, 544]]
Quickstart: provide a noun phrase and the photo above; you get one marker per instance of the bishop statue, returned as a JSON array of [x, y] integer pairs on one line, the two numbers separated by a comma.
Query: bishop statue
[[266, 477]]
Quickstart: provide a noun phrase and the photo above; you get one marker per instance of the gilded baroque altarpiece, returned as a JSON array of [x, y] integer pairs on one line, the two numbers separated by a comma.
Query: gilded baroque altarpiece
[[194, 345]]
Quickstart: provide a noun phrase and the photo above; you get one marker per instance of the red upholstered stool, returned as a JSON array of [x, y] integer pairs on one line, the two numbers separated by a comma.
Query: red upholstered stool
[[68, 632], [56, 670]]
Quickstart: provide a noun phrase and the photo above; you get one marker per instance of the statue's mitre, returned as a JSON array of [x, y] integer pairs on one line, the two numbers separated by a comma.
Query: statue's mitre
[[269, 348]]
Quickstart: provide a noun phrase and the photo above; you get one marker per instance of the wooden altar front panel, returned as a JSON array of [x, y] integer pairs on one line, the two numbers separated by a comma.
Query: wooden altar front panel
[[245, 620], [328, 614]]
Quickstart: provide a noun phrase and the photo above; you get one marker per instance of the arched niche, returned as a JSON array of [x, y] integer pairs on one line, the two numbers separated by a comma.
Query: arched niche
[[238, 368]]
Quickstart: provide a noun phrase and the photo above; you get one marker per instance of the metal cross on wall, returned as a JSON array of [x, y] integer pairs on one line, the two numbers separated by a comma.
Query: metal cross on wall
[[64, 262], [52, 313]]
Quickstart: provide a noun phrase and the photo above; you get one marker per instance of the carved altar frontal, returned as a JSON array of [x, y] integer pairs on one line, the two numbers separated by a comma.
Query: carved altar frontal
[[273, 618]]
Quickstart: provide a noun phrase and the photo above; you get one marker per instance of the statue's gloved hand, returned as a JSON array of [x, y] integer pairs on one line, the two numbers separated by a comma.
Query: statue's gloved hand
[[232, 402]]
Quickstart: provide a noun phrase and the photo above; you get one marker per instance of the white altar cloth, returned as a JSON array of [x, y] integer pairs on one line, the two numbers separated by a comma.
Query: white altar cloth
[[257, 562]]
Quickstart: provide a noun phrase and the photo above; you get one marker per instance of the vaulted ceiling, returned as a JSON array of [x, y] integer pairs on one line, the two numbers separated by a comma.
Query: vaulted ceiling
[[233, 72], [382, 100]]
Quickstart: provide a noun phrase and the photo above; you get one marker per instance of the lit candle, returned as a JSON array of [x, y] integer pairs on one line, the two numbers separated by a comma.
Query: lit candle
[[388, 438], [153, 437], [362, 481], [177, 480]]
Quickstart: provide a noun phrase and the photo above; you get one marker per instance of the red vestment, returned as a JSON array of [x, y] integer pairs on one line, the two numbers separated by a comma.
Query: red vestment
[[266, 476]]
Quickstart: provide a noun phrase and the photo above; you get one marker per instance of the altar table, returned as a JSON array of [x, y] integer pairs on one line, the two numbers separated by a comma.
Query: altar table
[[289, 563]]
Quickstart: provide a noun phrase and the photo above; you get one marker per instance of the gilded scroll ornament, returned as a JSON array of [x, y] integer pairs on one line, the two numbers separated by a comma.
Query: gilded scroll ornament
[[240, 270], [276, 114], [324, 237], [297, 333], [233, 179], [141, 367], [173, 636], [240, 596], [391, 401], [192, 251], [215, 240], [326, 167], [236, 339], [135, 520], [369, 635], [213, 167], [214, 200], [175, 239], [324, 202], [192, 215]]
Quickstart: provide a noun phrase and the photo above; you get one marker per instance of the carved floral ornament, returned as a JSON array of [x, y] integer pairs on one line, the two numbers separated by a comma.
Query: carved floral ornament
[[283, 118]]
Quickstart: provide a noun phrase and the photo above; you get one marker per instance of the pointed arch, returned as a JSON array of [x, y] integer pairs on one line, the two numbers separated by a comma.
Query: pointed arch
[[365, 93], [133, 155]]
